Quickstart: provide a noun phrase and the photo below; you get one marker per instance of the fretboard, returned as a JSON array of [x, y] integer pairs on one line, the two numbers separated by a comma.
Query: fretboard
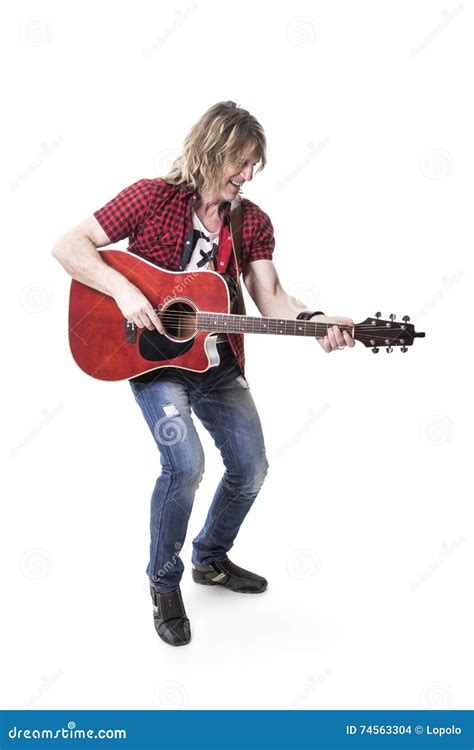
[[228, 323]]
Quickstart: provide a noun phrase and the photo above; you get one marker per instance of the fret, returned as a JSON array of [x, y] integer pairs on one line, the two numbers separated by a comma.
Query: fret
[[226, 322]]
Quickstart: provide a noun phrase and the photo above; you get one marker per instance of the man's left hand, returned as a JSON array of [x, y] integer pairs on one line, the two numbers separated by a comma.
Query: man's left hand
[[335, 338]]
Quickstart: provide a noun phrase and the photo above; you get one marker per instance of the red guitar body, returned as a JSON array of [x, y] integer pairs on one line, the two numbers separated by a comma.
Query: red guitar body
[[106, 347]]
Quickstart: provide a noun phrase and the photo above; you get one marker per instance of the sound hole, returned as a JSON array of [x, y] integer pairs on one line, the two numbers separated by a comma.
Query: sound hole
[[179, 320]]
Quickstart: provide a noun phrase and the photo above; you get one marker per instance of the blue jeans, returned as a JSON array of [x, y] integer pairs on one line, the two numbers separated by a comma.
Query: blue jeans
[[222, 401]]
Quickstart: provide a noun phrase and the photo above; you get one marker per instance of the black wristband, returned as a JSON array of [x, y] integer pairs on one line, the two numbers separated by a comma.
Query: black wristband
[[307, 314]]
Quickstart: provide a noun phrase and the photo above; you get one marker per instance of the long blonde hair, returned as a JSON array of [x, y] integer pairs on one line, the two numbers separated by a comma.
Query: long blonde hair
[[217, 139]]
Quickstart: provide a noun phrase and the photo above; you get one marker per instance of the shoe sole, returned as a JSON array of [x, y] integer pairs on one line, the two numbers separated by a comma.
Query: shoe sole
[[175, 645], [169, 643]]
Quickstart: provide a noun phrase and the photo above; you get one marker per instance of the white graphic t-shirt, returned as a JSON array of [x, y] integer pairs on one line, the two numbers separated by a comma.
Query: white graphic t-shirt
[[204, 248]]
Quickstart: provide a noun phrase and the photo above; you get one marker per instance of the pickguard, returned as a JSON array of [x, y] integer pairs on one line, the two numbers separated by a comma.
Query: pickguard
[[155, 347]]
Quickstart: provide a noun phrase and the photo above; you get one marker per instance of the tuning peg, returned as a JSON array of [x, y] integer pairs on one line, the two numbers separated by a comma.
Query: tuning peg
[[406, 318], [375, 349], [404, 349], [389, 349], [377, 315], [392, 316]]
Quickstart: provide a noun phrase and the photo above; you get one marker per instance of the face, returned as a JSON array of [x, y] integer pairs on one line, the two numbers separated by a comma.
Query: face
[[236, 174]]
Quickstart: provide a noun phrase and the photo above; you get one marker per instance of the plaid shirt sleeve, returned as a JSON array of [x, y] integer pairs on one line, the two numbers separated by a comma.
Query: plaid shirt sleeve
[[121, 216], [262, 240]]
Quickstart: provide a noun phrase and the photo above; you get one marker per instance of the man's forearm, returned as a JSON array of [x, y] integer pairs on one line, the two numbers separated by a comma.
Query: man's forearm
[[80, 258], [281, 305]]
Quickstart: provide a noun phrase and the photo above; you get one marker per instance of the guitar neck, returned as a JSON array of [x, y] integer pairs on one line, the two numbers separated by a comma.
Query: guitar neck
[[229, 323]]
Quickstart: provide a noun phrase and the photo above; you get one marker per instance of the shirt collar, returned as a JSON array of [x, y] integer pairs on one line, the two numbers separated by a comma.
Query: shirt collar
[[192, 195], [186, 192]]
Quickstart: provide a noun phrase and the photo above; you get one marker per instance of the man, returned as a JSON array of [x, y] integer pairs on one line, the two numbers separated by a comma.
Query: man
[[181, 222]]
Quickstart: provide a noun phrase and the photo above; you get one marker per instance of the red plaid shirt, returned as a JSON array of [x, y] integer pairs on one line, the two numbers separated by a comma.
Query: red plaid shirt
[[157, 219]]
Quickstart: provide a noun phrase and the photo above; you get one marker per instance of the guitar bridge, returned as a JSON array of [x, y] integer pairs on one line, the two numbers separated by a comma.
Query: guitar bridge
[[130, 332]]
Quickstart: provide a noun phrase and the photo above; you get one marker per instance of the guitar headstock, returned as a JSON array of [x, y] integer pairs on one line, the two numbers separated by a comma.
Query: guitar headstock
[[374, 332]]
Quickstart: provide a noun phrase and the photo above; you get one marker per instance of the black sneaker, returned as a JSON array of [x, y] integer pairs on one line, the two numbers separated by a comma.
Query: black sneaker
[[225, 573], [169, 616]]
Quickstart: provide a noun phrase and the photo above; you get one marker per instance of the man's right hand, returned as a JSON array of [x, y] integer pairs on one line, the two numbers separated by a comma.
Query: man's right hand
[[77, 251], [135, 307]]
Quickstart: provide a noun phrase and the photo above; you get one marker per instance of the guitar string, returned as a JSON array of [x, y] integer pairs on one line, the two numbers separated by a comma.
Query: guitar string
[[211, 312], [174, 316], [377, 331], [279, 321], [183, 313]]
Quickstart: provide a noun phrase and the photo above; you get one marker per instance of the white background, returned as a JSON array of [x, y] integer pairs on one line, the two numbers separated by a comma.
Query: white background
[[363, 524]]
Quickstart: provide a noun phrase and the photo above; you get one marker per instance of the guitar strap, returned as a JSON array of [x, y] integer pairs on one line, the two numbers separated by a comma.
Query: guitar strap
[[236, 221]]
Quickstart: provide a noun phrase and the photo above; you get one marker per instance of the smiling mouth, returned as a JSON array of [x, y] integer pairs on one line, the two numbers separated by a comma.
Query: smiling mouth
[[236, 184]]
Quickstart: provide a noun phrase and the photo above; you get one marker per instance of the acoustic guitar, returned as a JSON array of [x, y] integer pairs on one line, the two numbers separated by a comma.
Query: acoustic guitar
[[193, 307]]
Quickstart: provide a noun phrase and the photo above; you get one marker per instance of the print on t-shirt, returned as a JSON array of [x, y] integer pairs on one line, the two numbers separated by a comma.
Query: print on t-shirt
[[204, 247]]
